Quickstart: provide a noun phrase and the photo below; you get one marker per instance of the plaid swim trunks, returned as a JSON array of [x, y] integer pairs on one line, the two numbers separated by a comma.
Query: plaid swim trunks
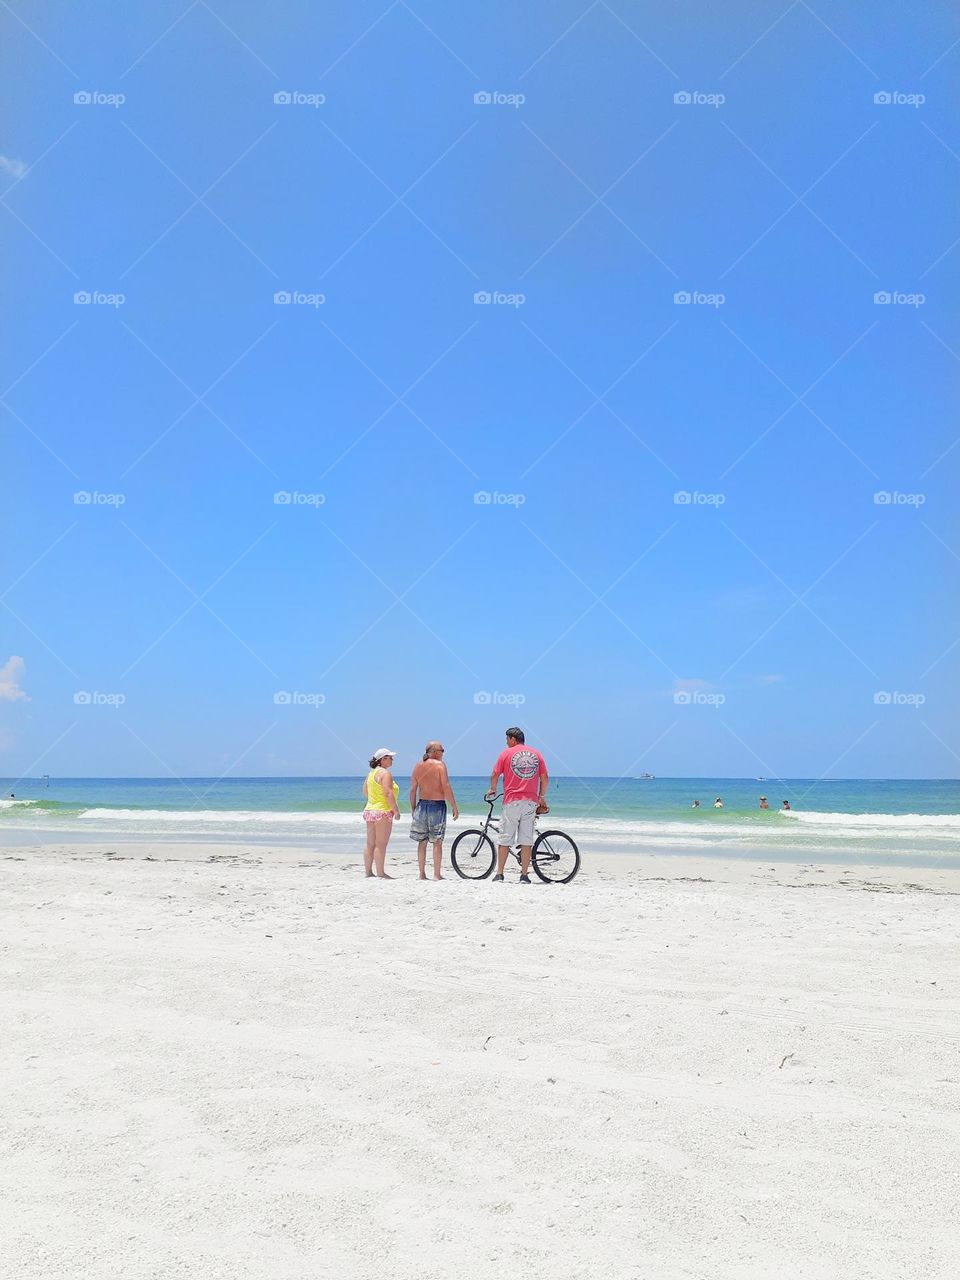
[[429, 820]]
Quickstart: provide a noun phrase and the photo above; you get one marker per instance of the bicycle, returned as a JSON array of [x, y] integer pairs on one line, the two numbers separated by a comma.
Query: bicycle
[[555, 858]]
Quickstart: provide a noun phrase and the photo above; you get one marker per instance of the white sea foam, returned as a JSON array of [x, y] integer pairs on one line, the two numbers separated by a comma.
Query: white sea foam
[[211, 816], [708, 832], [804, 832], [901, 821]]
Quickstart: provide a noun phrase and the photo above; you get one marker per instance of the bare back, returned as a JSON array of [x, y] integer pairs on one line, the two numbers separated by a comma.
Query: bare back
[[430, 776]]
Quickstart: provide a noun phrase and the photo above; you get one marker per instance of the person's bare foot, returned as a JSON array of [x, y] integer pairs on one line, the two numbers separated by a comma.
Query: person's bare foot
[[438, 877], [368, 875], [422, 876], [383, 876]]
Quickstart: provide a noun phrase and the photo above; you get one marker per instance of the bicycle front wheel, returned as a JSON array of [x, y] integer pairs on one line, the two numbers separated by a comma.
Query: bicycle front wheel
[[473, 855], [556, 859]]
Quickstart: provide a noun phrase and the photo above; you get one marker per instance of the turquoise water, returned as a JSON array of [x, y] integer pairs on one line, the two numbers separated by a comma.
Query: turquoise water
[[843, 820]]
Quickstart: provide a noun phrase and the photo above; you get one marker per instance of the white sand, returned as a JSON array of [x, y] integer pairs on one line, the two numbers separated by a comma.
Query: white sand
[[243, 1064]]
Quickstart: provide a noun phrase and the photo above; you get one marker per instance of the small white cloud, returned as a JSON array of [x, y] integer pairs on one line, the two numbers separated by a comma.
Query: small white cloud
[[14, 169], [10, 675], [770, 679]]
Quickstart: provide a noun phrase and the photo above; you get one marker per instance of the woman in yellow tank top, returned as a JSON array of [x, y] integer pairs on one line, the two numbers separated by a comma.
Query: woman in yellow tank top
[[380, 792]]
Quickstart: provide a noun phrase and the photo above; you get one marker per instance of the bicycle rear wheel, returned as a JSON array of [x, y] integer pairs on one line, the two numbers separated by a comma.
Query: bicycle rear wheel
[[473, 855], [556, 858]]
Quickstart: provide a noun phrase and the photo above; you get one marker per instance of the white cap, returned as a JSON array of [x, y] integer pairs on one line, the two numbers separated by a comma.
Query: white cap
[[381, 752]]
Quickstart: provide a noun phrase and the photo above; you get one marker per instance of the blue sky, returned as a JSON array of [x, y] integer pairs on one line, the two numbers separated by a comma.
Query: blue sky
[[748, 630]]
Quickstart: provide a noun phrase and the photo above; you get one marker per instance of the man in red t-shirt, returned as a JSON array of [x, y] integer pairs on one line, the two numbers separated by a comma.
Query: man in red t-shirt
[[525, 781]]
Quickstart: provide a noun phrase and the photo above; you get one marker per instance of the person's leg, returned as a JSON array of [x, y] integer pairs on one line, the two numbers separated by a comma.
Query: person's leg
[[508, 834], [368, 851], [422, 858], [525, 835], [383, 829], [437, 859]]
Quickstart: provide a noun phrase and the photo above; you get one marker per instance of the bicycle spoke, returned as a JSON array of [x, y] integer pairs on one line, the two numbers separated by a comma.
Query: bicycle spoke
[[556, 857], [472, 855]]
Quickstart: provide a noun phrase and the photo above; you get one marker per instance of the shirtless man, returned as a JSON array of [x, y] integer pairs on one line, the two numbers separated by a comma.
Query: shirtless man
[[428, 814]]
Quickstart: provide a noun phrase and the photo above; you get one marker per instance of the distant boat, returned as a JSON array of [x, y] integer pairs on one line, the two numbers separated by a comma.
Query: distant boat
[[646, 776]]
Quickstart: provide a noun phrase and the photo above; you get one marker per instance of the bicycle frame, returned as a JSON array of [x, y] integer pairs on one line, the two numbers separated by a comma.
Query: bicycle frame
[[493, 822]]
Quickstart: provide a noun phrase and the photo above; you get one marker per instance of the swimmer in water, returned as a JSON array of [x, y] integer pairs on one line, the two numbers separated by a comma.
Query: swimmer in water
[[786, 805], [763, 803], [718, 803]]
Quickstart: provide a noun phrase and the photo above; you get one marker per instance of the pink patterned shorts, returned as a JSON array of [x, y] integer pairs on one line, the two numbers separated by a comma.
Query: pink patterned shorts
[[374, 815]]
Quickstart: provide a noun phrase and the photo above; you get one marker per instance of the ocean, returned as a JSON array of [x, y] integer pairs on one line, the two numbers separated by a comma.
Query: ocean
[[911, 823]]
